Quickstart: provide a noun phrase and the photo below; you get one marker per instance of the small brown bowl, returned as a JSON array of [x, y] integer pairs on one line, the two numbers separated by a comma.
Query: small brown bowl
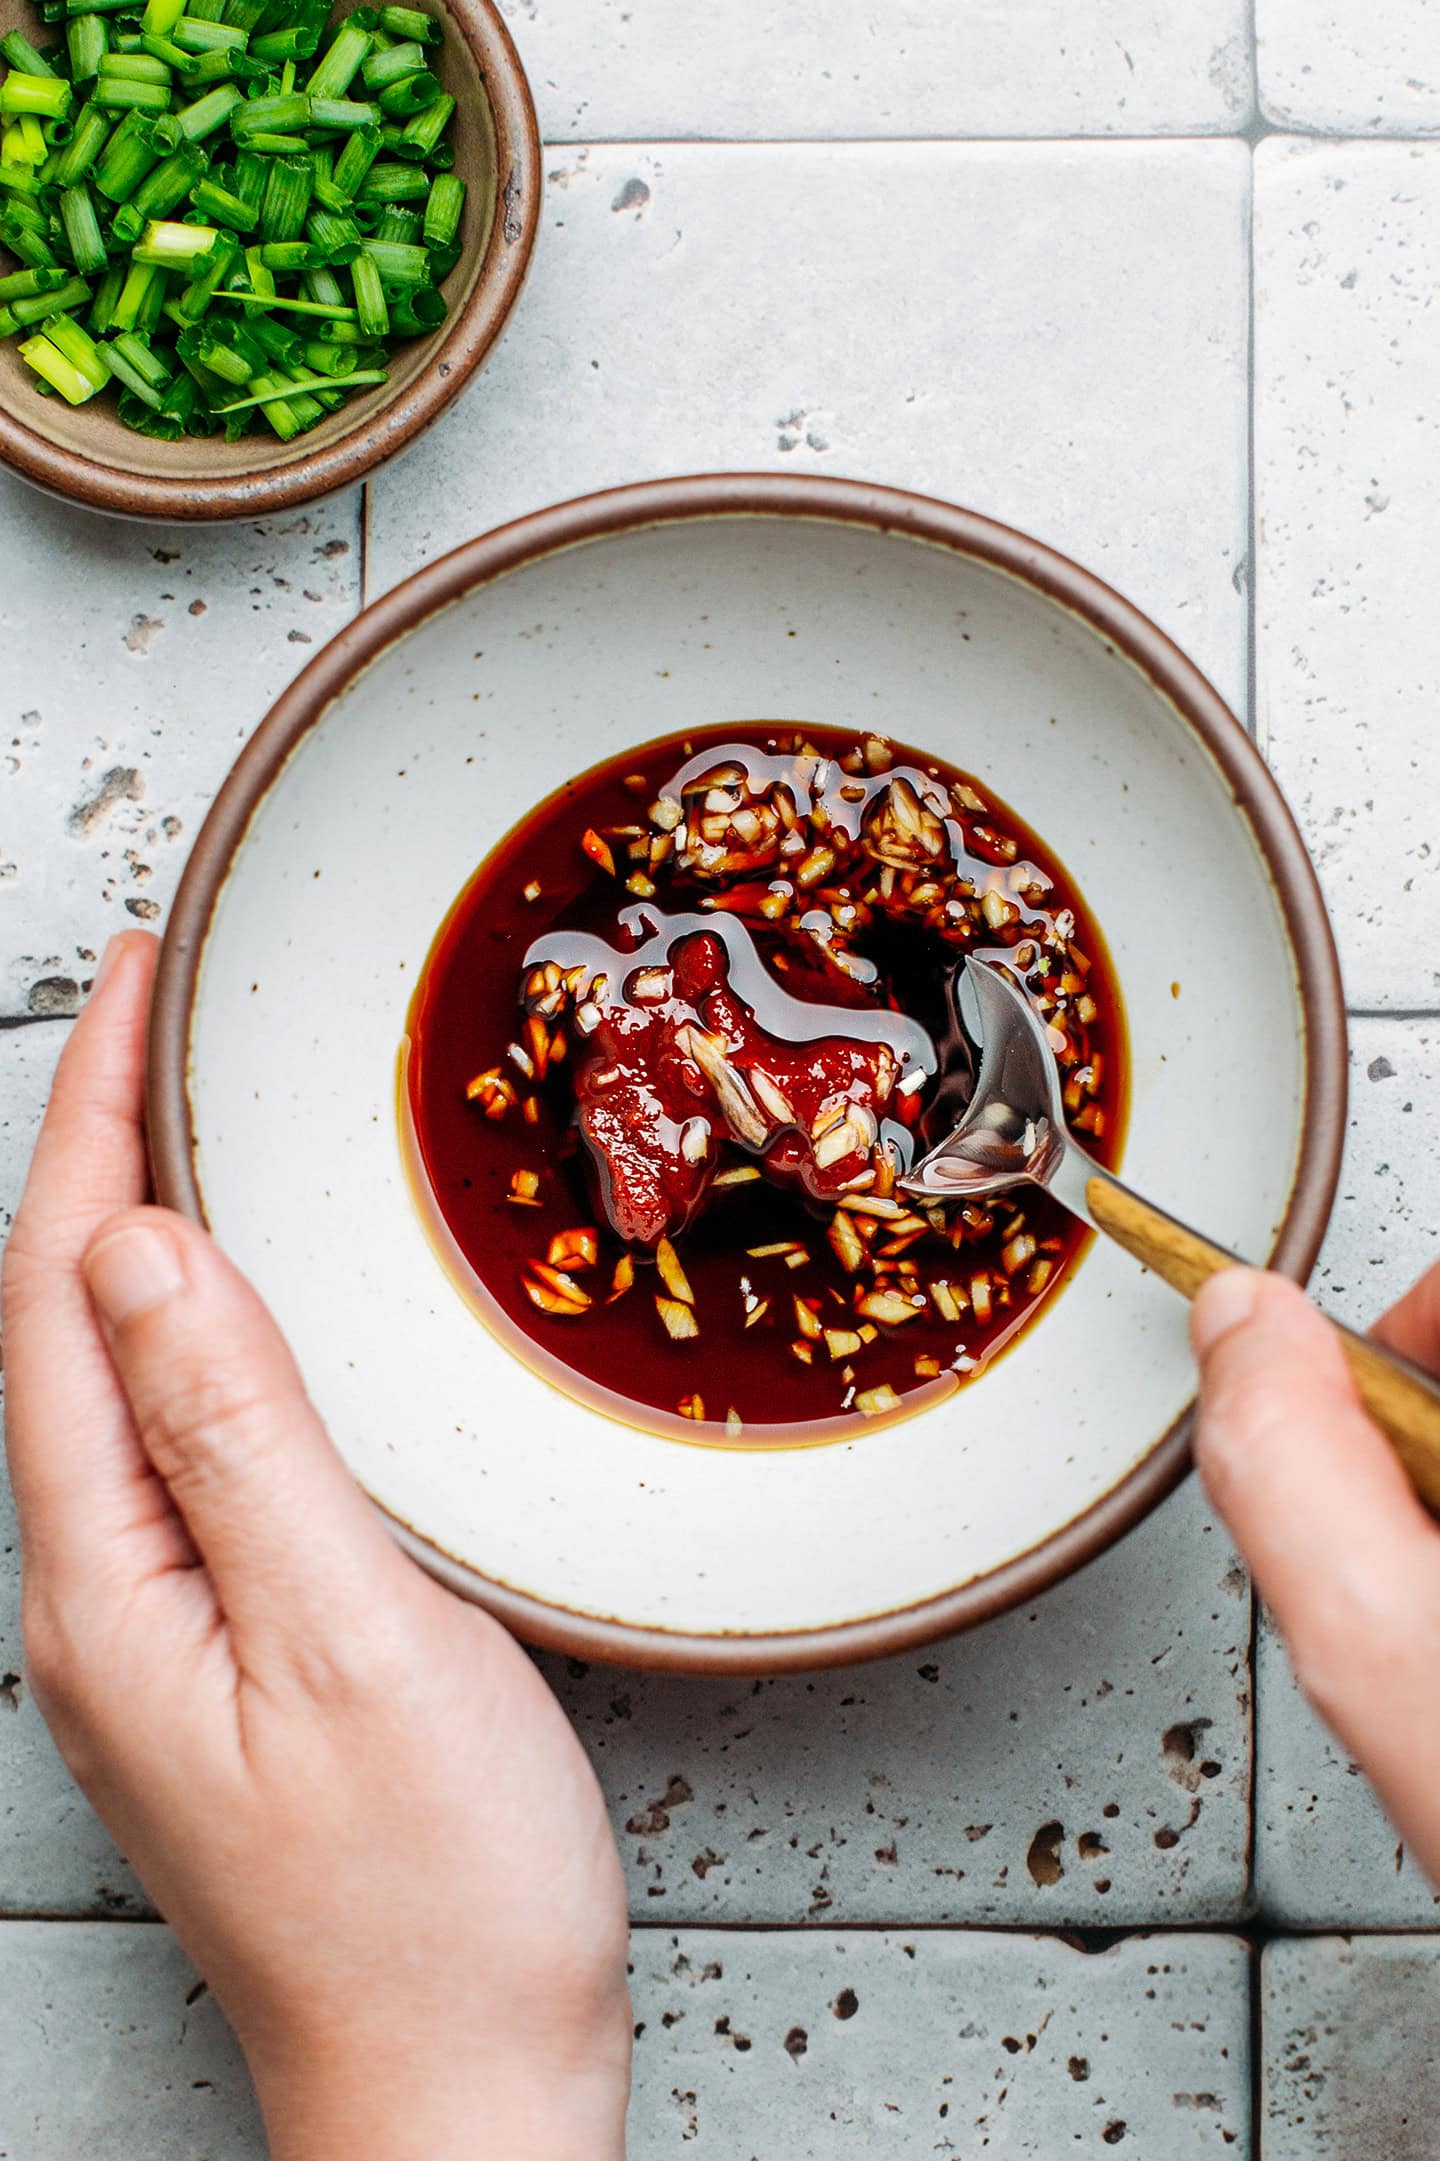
[[86, 454]]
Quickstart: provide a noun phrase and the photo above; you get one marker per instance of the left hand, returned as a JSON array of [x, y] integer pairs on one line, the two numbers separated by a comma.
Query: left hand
[[353, 1796]]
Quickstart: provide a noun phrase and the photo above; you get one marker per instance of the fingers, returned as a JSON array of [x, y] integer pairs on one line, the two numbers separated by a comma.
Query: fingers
[[1341, 1550], [293, 1550], [1412, 1326], [80, 1480]]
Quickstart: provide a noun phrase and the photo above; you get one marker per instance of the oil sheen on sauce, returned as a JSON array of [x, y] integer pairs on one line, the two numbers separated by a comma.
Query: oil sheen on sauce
[[724, 1003]]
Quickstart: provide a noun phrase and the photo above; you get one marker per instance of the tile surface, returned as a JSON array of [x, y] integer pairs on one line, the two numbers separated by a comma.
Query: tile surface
[[622, 70], [1347, 449], [121, 718], [769, 2046], [1350, 67], [1350, 2071], [1325, 1856], [998, 324], [1083, 1760]]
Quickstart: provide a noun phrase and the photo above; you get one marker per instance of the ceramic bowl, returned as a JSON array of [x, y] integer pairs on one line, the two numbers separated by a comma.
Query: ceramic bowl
[[422, 733], [84, 452]]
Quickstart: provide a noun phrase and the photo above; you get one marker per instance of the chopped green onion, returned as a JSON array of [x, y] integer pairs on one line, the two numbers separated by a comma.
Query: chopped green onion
[[25, 140], [393, 184], [422, 135], [87, 42], [209, 271], [338, 66], [82, 229], [84, 146], [46, 95], [18, 179], [135, 297], [127, 157], [78, 347], [399, 266], [343, 113], [102, 312], [288, 188], [297, 42], [25, 284], [174, 247], [337, 239], [403, 22], [217, 203], [370, 308], [270, 116], [133, 364], [355, 162], [443, 210], [186, 182], [392, 64], [73, 384], [161, 16], [210, 112], [135, 68], [203, 37], [406, 100], [20, 53], [317, 382], [116, 94], [72, 294]]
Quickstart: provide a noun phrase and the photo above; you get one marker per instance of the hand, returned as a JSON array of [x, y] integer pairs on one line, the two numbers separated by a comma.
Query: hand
[[1344, 1554], [351, 1795]]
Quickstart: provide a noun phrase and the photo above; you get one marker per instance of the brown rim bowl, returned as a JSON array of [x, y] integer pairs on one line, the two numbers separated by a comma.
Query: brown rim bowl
[[85, 454], [525, 655]]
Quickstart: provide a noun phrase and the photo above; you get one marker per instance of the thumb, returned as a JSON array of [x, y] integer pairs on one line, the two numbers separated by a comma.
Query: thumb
[[1342, 1551], [288, 1539]]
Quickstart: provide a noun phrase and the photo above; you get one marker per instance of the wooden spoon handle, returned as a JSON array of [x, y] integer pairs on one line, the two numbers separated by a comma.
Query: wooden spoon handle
[[1403, 1401]]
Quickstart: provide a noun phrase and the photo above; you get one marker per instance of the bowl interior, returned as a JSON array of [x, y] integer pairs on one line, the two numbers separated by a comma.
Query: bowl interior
[[94, 432], [375, 821]]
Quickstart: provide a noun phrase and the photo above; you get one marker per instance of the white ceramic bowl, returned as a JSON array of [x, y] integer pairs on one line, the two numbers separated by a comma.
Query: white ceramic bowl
[[426, 729]]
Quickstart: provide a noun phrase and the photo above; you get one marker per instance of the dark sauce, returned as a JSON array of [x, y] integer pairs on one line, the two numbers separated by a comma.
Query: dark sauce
[[836, 1002]]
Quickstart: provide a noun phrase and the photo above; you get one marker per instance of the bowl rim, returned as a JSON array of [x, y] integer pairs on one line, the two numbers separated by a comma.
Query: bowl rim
[[1124, 627], [461, 345]]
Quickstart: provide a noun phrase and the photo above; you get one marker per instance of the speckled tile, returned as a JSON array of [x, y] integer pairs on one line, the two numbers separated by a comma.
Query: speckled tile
[[1000, 324], [768, 2046], [137, 660], [1325, 1856], [783, 2048], [622, 70], [1350, 67], [111, 2051], [1347, 442], [1349, 2066], [1082, 1760]]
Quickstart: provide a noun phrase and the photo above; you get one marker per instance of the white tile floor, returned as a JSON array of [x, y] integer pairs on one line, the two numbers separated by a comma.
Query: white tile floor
[[894, 242]]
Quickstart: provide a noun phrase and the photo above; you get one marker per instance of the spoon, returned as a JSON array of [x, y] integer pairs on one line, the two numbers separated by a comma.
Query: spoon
[[1014, 1132]]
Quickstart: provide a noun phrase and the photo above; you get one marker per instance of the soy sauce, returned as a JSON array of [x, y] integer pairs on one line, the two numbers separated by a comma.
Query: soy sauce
[[539, 895]]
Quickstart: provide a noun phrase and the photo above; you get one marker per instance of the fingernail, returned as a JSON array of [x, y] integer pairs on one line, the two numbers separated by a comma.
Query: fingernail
[[133, 1269], [113, 950], [1225, 1303]]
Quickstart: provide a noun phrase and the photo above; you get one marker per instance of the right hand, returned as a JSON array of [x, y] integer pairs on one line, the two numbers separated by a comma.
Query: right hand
[[1343, 1552], [352, 1796]]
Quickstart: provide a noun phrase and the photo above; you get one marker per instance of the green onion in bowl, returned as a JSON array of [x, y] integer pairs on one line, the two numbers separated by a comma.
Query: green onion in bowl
[[221, 211]]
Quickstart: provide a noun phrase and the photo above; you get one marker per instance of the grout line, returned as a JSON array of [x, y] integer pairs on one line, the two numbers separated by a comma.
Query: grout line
[[1081, 1936], [1254, 131]]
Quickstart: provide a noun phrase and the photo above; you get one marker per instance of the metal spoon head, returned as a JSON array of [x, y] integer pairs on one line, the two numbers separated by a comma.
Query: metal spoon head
[[1013, 1128]]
